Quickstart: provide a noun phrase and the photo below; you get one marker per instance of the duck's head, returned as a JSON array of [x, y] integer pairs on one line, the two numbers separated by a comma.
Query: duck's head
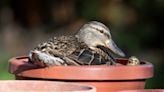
[[94, 34]]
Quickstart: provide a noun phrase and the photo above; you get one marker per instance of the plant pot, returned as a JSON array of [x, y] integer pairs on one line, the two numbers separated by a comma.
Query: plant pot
[[42, 86], [104, 78], [144, 90]]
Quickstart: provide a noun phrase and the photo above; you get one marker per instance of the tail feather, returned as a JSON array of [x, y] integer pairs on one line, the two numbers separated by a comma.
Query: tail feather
[[43, 59]]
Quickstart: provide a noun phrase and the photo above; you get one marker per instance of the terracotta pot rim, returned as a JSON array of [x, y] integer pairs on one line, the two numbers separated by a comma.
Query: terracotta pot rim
[[96, 72], [145, 63], [49, 85]]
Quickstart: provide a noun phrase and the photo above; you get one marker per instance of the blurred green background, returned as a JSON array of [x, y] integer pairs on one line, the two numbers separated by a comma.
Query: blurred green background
[[136, 26]]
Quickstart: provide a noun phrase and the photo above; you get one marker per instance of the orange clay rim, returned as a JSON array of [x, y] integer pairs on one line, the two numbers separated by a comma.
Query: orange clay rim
[[20, 67]]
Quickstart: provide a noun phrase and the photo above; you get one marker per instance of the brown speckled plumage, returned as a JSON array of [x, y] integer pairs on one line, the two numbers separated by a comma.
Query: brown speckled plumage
[[89, 46], [64, 45], [68, 47]]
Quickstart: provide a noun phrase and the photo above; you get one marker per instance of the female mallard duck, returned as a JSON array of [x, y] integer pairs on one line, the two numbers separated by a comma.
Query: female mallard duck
[[88, 47]]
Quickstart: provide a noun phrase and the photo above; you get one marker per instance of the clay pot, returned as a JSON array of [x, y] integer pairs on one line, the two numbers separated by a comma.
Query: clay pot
[[42, 86], [144, 90], [104, 78]]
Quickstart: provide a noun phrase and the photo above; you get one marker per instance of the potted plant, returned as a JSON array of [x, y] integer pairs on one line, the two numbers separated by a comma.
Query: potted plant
[[104, 78], [42, 86]]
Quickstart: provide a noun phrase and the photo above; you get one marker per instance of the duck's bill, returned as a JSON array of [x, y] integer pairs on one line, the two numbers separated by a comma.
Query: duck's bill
[[113, 47]]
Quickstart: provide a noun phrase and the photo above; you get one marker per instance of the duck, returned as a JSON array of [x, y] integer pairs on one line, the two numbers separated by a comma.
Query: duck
[[91, 45]]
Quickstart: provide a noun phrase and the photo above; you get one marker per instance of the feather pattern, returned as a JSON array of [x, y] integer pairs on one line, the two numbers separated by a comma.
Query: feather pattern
[[90, 46], [64, 50]]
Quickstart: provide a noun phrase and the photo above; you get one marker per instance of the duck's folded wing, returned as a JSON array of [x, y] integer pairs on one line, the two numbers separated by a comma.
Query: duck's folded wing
[[87, 58]]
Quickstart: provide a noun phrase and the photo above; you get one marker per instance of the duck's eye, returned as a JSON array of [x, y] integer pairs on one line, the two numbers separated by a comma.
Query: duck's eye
[[43, 47], [101, 31]]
